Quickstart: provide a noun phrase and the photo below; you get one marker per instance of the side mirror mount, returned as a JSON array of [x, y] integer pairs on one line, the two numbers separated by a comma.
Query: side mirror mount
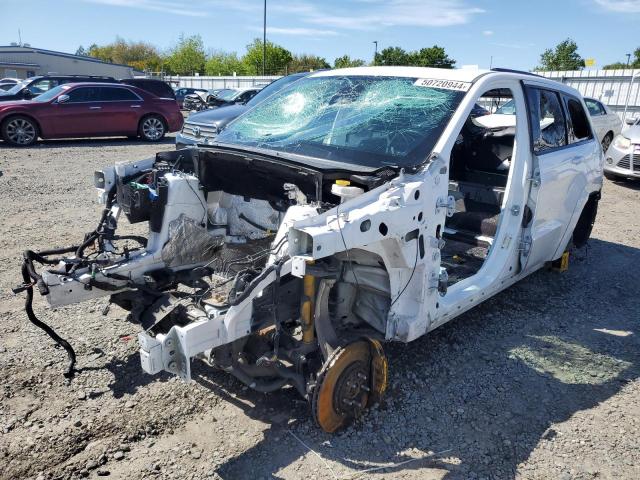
[[63, 99], [26, 93]]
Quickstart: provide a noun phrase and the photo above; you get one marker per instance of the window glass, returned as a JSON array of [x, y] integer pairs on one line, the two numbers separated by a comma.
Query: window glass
[[594, 107], [84, 94], [42, 86], [114, 94], [579, 129], [548, 128]]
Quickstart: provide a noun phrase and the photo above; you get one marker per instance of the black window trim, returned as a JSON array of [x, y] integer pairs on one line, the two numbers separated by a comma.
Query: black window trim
[[565, 100], [139, 98], [558, 93]]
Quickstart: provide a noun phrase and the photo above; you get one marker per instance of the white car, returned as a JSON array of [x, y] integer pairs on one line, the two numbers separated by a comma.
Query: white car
[[606, 123], [355, 207], [623, 157]]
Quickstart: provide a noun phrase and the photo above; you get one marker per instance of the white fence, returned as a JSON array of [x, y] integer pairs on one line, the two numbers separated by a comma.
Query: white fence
[[612, 87]]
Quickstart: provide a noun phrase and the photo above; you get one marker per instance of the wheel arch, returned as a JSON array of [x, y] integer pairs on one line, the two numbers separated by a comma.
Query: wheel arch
[[11, 115]]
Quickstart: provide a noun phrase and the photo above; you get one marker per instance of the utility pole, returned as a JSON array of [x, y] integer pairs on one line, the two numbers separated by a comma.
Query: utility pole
[[375, 52], [264, 39], [628, 58]]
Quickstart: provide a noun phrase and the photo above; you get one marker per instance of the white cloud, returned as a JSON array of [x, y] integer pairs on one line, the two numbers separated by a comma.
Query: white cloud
[[163, 6], [620, 6], [487, 33]]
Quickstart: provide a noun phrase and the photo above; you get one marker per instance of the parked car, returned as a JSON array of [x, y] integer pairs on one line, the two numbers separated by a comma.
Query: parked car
[[606, 123], [198, 100], [10, 80], [6, 86], [182, 92], [236, 96], [200, 128], [89, 110], [34, 86], [357, 207], [623, 156], [158, 88]]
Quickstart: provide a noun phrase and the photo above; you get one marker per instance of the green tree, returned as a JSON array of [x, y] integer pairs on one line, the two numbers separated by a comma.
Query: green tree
[[187, 57], [225, 63], [140, 55], [633, 63], [278, 58], [81, 51], [345, 62], [563, 57], [391, 56], [306, 63], [431, 57]]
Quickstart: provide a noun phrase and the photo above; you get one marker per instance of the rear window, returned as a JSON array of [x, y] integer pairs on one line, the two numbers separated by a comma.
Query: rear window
[[115, 94], [548, 127], [579, 128], [155, 87]]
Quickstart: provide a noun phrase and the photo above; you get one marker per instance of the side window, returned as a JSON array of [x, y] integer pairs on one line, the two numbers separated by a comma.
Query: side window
[[84, 94], [579, 128], [116, 94], [594, 107], [548, 127], [42, 86]]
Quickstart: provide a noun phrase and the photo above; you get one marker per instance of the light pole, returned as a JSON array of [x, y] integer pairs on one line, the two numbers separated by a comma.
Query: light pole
[[264, 39], [375, 52], [628, 58]]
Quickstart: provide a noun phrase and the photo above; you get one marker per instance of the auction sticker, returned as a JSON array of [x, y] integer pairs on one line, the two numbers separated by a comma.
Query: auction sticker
[[443, 84]]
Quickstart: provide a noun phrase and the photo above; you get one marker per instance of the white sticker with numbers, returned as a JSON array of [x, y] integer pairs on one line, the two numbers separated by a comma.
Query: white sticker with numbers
[[443, 84]]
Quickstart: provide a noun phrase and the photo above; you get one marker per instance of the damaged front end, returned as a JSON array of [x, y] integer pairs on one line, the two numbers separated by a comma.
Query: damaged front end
[[276, 272]]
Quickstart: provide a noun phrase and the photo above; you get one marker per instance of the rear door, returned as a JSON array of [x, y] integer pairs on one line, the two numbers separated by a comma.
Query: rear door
[[557, 177], [120, 110], [598, 117]]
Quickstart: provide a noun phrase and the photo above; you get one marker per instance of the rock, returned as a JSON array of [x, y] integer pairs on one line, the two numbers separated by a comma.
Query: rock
[[119, 455], [81, 396], [103, 472], [195, 454], [91, 465]]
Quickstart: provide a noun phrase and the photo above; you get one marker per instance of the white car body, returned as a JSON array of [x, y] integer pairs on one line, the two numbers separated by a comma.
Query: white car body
[[392, 238], [623, 156], [606, 123]]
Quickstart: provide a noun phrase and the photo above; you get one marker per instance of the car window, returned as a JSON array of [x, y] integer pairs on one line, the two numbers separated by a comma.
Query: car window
[[595, 108], [548, 127], [181, 92], [115, 94], [579, 128], [84, 94], [272, 88], [42, 86]]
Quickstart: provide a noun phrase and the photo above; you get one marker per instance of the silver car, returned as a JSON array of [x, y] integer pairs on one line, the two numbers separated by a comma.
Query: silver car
[[623, 156]]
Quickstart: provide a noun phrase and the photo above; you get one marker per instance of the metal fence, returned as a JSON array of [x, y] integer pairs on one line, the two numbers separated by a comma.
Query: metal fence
[[612, 87]]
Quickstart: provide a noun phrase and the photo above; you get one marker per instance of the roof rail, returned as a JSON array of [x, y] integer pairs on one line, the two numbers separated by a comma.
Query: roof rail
[[522, 72]]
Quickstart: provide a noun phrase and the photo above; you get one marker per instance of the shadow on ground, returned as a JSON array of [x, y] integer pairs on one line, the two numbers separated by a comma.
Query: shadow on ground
[[489, 385], [90, 142]]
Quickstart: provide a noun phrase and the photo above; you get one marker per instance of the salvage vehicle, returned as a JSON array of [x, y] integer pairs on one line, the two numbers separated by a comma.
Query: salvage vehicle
[[199, 99], [623, 156], [182, 92], [356, 207], [202, 127], [606, 123], [77, 110]]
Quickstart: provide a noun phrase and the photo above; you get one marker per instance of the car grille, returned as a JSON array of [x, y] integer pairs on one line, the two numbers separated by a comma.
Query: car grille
[[625, 162], [199, 131]]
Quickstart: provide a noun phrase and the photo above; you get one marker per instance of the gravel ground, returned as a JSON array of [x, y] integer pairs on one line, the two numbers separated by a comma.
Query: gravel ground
[[539, 382]]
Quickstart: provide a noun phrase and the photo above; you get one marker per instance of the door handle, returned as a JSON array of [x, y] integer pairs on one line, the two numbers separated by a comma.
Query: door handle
[[576, 160], [135, 106], [95, 108]]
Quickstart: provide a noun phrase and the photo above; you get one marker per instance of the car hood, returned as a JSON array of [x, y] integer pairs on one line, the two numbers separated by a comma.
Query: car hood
[[632, 133], [13, 103], [218, 116]]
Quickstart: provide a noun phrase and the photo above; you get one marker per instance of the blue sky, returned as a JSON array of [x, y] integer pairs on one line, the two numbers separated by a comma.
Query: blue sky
[[514, 32]]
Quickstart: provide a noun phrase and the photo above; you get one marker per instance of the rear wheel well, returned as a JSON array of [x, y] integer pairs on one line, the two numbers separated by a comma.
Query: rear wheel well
[[160, 116], [582, 231]]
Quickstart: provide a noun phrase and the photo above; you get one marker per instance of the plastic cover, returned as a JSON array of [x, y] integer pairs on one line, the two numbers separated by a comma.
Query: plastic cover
[[189, 243]]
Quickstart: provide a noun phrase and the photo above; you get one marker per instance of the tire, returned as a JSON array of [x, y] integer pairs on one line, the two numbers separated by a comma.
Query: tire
[[606, 142], [583, 228], [20, 131], [152, 128]]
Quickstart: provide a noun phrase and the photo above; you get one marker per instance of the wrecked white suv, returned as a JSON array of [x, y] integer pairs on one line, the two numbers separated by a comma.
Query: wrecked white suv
[[355, 207]]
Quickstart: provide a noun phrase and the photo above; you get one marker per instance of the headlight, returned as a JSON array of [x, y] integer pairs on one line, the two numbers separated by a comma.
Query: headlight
[[621, 142]]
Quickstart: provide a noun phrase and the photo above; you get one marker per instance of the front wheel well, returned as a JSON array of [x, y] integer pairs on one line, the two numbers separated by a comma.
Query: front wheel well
[[25, 115]]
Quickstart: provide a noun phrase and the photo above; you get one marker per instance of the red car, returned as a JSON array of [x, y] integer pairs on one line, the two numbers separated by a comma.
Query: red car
[[89, 110]]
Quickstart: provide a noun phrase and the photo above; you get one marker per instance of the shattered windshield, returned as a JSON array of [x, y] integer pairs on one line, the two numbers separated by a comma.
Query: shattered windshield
[[364, 120]]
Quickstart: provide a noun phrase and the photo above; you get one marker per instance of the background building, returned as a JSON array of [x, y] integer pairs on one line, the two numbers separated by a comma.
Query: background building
[[26, 61]]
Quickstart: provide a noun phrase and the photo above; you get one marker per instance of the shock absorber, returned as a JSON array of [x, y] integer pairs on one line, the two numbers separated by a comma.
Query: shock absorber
[[307, 306]]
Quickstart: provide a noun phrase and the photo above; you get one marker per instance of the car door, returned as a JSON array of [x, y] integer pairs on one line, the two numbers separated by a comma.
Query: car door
[[120, 110], [78, 115], [558, 171]]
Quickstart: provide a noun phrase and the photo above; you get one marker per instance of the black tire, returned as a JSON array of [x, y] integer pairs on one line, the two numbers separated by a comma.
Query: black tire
[[152, 128], [19, 131], [582, 231], [606, 142]]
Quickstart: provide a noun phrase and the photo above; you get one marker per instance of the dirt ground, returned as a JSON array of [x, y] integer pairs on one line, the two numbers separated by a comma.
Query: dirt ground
[[540, 382]]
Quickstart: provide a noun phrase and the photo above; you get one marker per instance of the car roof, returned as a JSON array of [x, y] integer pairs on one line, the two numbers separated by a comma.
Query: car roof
[[458, 74], [101, 84]]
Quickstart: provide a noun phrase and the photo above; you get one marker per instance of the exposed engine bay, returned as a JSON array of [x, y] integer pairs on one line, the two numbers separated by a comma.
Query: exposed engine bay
[[251, 265]]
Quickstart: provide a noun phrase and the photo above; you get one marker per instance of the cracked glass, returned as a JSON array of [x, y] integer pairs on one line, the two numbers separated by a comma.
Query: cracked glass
[[364, 120]]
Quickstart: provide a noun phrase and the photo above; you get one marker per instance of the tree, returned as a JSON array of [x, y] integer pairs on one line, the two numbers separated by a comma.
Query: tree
[[306, 63], [564, 57], [140, 55], [431, 57], [187, 57], [225, 63], [391, 56], [277, 58], [345, 62], [633, 63], [81, 51]]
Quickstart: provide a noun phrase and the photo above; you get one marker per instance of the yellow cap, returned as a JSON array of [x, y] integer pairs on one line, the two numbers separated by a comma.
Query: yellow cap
[[343, 183]]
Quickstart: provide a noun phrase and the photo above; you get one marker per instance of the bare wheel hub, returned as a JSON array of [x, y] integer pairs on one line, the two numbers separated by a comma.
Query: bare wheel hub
[[352, 389]]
